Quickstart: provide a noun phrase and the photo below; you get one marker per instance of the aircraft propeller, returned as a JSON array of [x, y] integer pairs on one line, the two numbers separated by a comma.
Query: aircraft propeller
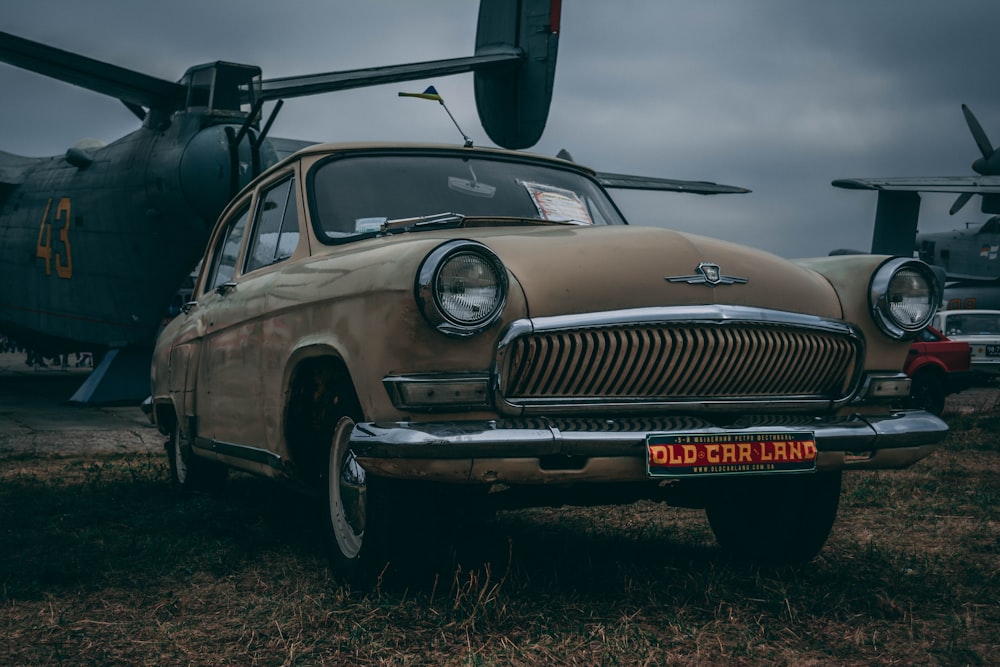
[[984, 165], [960, 201]]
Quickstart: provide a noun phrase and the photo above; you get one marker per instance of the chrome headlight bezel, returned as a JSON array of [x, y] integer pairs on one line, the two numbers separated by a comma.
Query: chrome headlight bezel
[[430, 295], [884, 297]]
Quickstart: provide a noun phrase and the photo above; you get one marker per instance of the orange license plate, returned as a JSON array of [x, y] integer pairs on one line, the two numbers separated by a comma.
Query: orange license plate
[[687, 455]]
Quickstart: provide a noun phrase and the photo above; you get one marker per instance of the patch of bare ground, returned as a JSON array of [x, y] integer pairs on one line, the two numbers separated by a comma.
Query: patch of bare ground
[[102, 565]]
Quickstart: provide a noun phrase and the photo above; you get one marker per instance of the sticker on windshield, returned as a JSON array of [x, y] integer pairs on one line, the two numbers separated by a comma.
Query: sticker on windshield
[[558, 204], [362, 225]]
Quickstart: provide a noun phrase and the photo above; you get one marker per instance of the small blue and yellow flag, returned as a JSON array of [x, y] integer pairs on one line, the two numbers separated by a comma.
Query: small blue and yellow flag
[[430, 93]]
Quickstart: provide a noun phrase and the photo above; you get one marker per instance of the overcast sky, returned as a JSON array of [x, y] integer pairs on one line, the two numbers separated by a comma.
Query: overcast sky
[[779, 96]]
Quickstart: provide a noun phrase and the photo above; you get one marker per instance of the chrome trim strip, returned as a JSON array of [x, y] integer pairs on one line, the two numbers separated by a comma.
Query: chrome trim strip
[[254, 454], [543, 406], [519, 438], [674, 314]]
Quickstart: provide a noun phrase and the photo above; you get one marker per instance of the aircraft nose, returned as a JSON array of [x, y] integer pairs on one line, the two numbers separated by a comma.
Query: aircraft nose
[[981, 166]]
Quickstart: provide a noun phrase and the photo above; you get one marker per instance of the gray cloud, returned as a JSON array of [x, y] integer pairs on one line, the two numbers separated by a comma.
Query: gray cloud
[[780, 96]]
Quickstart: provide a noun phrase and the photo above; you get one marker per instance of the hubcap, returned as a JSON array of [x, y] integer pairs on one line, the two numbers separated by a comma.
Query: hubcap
[[352, 493], [348, 492], [180, 462]]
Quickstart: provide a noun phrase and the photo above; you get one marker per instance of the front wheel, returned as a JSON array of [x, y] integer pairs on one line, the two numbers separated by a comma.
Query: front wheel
[[346, 504], [775, 520], [190, 474], [927, 392]]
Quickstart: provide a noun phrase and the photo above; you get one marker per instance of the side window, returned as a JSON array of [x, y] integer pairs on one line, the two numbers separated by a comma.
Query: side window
[[226, 251], [276, 233]]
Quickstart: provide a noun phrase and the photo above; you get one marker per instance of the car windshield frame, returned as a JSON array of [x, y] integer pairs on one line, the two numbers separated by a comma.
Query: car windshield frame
[[352, 195]]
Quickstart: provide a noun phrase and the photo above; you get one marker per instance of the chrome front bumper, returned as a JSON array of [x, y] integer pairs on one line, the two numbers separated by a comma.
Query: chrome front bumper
[[542, 450]]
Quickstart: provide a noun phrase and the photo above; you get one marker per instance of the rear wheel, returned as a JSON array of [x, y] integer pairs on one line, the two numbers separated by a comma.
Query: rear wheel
[[190, 474], [775, 520]]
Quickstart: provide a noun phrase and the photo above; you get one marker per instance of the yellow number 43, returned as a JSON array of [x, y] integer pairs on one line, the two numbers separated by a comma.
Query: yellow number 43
[[60, 255]]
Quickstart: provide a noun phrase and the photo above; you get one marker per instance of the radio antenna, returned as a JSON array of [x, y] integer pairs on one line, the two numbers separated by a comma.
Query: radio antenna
[[431, 93]]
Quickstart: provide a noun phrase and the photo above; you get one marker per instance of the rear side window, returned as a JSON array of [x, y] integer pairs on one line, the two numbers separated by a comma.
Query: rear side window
[[227, 250], [276, 228]]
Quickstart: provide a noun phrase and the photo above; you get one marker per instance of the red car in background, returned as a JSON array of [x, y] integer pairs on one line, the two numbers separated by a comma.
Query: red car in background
[[937, 366]]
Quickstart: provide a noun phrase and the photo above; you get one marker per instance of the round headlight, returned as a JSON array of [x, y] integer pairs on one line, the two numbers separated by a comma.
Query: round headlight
[[461, 287], [904, 297]]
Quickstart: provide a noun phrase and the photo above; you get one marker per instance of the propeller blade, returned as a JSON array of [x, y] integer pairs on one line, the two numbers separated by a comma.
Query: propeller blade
[[961, 201], [985, 147]]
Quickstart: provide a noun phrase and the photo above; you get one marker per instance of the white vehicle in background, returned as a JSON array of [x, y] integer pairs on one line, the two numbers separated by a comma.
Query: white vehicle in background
[[981, 330]]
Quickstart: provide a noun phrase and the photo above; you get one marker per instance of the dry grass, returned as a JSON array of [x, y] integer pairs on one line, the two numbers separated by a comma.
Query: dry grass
[[100, 565]]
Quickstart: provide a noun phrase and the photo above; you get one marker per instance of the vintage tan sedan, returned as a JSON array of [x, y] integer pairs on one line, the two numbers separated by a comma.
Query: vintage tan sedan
[[445, 320]]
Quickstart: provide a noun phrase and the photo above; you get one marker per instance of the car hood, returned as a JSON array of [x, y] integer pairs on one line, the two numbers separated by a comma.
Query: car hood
[[564, 270]]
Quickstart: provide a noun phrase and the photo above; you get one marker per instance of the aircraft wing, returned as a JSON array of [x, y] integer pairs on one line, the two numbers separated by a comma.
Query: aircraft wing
[[629, 182], [285, 147], [311, 84], [983, 185], [129, 86]]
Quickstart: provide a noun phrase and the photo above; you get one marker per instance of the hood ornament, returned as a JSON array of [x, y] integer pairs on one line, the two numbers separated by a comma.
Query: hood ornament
[[707, 274]]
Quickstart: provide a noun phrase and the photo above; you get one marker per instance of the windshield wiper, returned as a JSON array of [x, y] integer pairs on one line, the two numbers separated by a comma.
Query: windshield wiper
[[435, 220]]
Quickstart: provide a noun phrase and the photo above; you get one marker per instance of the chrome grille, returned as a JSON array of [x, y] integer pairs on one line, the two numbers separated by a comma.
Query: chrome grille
[[680, 361]]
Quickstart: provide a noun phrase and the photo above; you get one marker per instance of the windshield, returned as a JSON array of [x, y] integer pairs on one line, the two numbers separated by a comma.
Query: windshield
[[354, 196]]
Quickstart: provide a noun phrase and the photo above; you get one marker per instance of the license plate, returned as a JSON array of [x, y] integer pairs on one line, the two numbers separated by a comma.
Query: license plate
[[993, 350], [692, 455]]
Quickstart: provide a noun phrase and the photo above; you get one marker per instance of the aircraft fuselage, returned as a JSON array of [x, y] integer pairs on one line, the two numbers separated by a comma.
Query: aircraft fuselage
[[95, 244], [964, 254]]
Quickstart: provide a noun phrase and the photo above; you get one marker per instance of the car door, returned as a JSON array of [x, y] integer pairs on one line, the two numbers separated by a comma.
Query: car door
[[238, 416], [188, 374], [222, 391], [273, 241]]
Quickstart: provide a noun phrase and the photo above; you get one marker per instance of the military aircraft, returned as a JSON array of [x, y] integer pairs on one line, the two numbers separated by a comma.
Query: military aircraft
[[95, 243], [968, 258], [971, 260]]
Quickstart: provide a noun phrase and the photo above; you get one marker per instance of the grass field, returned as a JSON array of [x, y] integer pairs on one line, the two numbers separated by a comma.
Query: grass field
[[101, 565]]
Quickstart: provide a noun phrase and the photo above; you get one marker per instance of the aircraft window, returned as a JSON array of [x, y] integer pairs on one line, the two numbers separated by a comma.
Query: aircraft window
[[225, 93], [227, 250], [276, 234], [199, 87], [228, 88], [352, 196]]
